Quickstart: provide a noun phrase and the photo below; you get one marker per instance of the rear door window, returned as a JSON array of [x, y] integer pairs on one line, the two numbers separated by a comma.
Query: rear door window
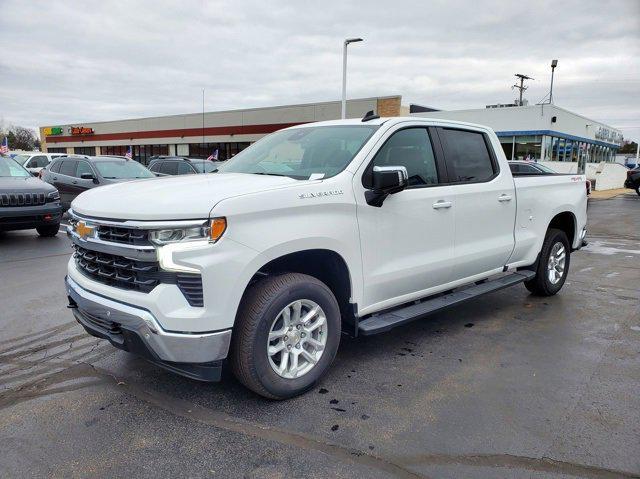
[[170, 167], [467, 155], [68, 167], [184, 168]]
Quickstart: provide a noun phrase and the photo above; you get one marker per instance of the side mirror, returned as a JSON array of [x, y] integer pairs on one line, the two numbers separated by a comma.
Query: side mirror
[[387, 180], [89, 176]]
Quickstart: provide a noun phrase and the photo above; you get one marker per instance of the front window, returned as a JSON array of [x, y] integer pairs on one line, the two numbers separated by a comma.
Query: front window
[[9, 168], [321, 151], [122, 169]]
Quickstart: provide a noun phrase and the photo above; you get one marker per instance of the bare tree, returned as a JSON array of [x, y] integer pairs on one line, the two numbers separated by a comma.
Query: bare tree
[[21, 138]]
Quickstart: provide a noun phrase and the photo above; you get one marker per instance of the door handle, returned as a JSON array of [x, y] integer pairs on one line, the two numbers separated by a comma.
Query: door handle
[[74, 182], [503, 198], [55, 177], [441, 204]]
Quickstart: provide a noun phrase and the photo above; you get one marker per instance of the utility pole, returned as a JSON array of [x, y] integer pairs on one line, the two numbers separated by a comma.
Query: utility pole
[[521, 87], [203, 118]]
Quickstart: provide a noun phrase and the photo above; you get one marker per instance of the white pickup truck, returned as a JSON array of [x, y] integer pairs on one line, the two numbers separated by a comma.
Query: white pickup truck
[[352, 226]]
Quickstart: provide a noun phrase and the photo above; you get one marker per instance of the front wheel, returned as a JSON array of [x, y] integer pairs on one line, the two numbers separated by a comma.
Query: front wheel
[[553, 264], [48, 231], [286, 335], [638, 190]]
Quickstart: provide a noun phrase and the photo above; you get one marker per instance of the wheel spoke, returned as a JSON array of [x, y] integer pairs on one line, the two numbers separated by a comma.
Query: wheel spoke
[[286, 317], [284, 361], [307, 317], [317, 345], [309, 357], [293, 368], [276, 348], [296, 307], [273, 335], [316, 324]]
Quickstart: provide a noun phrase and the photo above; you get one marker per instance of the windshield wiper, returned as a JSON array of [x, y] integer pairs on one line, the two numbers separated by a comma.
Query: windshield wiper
[[271, 174]]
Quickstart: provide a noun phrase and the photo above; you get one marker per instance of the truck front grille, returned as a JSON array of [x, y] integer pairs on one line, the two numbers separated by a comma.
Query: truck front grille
[[115, 234], [22, 199], [141, 276]]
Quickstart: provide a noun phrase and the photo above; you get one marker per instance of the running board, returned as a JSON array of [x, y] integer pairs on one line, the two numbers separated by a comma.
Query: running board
[[397, 317]]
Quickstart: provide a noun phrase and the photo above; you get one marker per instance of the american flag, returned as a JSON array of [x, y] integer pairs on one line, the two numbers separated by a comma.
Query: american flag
[[4, 148], [129, 153], [213, 156]]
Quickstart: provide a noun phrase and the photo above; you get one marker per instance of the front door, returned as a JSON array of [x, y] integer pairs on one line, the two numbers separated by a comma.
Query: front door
[[407, 243]]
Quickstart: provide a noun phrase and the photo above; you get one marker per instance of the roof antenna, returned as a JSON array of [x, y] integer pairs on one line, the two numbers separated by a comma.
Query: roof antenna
[[370, 115]]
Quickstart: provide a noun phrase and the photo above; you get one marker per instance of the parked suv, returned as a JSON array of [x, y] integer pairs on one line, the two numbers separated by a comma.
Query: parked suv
[[342, 226], [36, 161], [72, 175], [178, 165], [27, 202], [633, 179]]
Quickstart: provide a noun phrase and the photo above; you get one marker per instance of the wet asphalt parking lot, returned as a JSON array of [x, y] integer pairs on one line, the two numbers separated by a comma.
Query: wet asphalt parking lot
[[508, 386]]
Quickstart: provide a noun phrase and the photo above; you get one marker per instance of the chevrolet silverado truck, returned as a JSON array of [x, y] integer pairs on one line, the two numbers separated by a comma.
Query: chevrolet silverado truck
[[27, 202], [350, 226]]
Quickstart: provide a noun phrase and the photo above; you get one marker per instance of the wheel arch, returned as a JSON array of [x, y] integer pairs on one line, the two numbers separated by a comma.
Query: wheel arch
[[565, 221]]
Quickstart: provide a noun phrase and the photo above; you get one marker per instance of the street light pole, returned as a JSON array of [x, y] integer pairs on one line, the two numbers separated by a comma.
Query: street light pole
[[554, 64], [344, 74]]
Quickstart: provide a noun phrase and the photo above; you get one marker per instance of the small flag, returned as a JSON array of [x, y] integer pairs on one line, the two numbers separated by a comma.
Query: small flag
[[4, 148], [129, 153], [213, 156]]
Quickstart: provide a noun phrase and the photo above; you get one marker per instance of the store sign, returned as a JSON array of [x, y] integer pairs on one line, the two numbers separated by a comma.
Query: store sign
[[80, 130], [53, 130], [605, 134]]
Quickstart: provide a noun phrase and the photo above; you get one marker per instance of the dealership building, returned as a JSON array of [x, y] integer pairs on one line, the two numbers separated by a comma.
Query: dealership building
[[537, 132]]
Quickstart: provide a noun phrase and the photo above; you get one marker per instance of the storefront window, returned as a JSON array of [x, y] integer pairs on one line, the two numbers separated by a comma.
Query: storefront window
[[507, 145], [85, 150], [548, 149], [225, 150], [56, 150], [528, 147]]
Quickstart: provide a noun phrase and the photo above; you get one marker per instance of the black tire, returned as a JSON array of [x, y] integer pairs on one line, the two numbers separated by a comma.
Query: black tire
[[261, 304], [541, 285], [48, 231], [638, 190]]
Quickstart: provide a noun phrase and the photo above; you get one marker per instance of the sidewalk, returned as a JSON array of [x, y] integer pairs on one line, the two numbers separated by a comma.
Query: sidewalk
[[608, 194]]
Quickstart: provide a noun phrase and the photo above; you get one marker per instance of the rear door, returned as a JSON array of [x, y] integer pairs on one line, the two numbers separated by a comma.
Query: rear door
[[63, 181], [485, 202]]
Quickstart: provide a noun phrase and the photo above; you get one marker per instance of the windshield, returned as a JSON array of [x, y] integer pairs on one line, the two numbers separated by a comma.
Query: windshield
[[22, 159], [206, 166], [122, 169], [322, 151], [9, 168]]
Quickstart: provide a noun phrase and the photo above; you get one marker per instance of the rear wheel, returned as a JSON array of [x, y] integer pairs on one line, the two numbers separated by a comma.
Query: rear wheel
[[638, 190], [49, 230], [553, 264], [286, 335]]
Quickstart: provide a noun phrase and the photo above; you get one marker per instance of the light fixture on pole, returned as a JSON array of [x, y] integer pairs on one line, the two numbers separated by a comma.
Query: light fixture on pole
[[344, 74], [554, 64]]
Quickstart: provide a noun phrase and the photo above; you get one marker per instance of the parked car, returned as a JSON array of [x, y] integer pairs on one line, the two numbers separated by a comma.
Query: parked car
[[523, 168], [35, 161], [72, 175], [27, 202], [633, 179], [179, 165], [342, 226]]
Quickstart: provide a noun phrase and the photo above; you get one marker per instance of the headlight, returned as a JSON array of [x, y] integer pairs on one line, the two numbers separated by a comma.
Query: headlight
[[53, 196], [211, 230]]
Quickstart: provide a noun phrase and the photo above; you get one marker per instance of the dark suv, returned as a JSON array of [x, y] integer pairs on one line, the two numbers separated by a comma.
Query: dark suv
[[72, 175], [27, 202], [633, 179], [179, 165]]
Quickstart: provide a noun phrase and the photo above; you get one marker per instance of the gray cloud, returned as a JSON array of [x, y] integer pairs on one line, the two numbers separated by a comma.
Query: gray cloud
[[67, 62]]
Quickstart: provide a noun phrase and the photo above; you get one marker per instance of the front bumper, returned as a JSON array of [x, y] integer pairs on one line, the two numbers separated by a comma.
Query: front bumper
[[198, 356], [29, 217]]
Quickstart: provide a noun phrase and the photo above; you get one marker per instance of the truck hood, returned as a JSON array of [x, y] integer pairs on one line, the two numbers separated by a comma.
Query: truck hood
[[171, 197]]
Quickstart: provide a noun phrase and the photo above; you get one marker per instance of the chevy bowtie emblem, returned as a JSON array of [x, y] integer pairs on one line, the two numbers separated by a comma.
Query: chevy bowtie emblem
[[83, 230]]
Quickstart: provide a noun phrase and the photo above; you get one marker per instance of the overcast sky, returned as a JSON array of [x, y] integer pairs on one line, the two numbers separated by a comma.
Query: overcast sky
[[78, 61]]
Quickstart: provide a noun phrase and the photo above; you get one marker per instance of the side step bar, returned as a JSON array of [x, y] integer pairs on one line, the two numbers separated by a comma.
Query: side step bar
[[397, 317]]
